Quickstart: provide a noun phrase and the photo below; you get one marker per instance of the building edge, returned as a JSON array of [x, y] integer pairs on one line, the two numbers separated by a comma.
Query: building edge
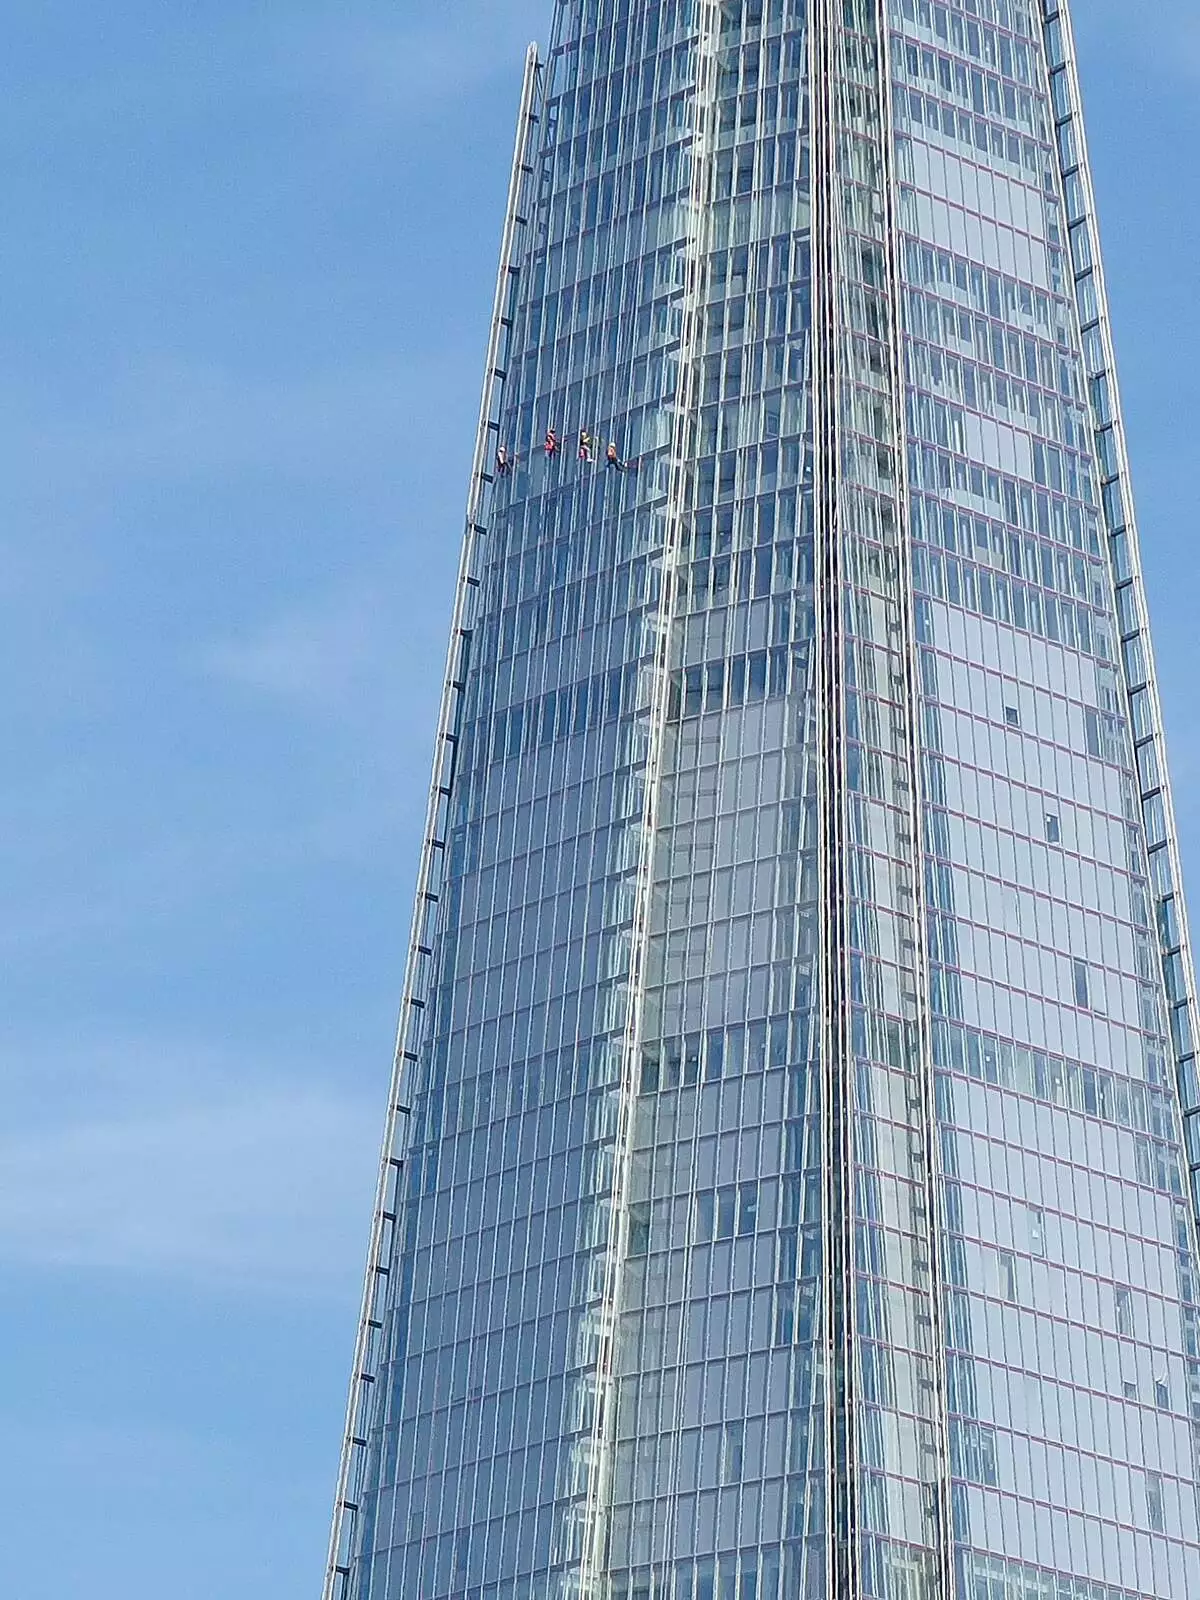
[[1135, 651], [345, 1540]]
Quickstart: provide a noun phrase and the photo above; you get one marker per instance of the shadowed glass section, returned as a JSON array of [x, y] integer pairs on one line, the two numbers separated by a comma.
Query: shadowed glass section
[[718, 1483], [893, 1534]]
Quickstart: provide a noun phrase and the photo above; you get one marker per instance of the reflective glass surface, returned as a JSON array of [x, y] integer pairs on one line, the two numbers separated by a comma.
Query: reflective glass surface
[[796, 1202], [499, 1393], [1071, 1328]]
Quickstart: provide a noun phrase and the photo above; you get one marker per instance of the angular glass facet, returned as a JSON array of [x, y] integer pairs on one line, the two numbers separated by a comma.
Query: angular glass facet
[[784, 1192]]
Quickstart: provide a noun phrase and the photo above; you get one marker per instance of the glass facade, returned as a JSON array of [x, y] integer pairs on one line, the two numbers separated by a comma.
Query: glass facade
[[786, 1186]]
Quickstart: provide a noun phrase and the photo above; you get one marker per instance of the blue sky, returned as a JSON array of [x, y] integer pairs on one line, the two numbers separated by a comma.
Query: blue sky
[[247, 266]]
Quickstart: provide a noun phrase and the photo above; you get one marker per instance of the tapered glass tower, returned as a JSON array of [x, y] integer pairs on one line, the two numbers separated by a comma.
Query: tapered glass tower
[[785, 1190]]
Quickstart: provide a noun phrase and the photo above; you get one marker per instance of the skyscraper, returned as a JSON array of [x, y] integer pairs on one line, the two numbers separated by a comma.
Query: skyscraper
[[785, 1189]]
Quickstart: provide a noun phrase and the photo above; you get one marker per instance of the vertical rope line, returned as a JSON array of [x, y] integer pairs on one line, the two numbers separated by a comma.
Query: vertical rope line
[[922, 1043], [841, 1548], [604, 1440], [361, 1411]]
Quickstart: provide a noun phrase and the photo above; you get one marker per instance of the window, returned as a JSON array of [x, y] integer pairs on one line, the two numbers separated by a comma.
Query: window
[[1154, 1501], [973, 1451], [639, 1228], [1012, 716], [1053, 829], [1130, 1391], [1162, 1395], [1079, 974], [727, 1213], [785, 1316], [1008, 1276], [801, 1200], [1037, 1230], [1124, 1305], [462, 1553], [733, 1447]]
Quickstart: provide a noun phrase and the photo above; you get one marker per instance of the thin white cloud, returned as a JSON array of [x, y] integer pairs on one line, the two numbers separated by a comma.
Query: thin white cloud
[[259, 1185], [318, 654], [403, 71], [354, 652], [376, 73], [168, 418], [1186, 57], [139, 1455], [1165, 39]]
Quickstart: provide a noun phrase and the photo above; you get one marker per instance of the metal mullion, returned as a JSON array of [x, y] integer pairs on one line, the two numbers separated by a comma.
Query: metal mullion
[[1058, 11], [536, 690], [560, 278], [536, 687], [916, 815], [572, 908], [861, 176], [652, 779], [598, 1515], [383, 1253], [877, 149], [841, 1534]]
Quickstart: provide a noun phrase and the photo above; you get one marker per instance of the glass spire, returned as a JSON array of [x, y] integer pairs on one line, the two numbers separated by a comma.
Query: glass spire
[[785, 1189]]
